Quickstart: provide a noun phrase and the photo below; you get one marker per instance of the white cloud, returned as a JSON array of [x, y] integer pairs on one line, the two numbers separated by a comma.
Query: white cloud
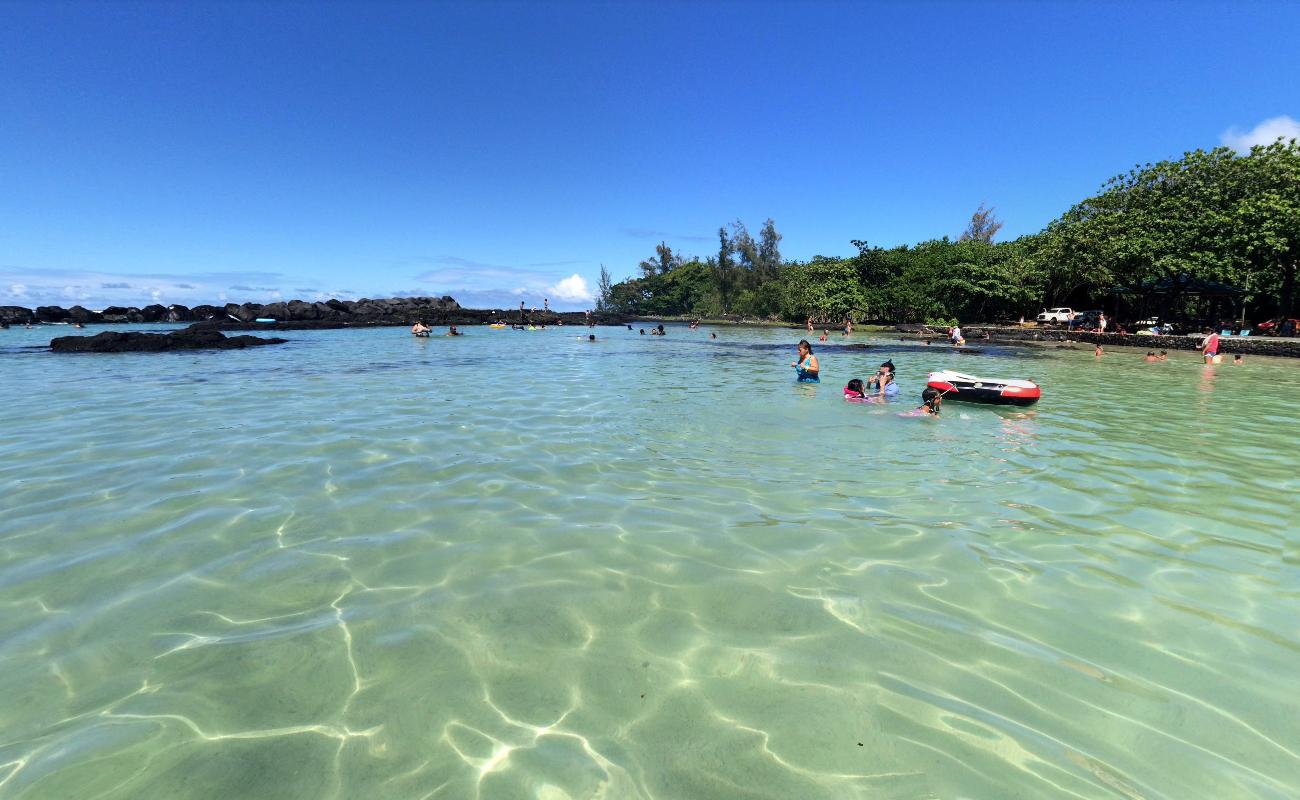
[[479, 284], [97, 290], [573, 289], [1266, 132]]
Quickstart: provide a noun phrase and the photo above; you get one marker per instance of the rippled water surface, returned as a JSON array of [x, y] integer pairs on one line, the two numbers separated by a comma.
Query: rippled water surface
[[519, 565]]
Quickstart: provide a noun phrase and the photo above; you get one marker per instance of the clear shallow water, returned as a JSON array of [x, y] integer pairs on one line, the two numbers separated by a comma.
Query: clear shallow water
[[518, 565]]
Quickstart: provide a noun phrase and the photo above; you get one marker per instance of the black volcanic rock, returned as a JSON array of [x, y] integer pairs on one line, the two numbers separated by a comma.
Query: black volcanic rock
[[52, 314], [199, 313], [16, 315], [80, 314], [191, 338], [436, 311], [154, 313]]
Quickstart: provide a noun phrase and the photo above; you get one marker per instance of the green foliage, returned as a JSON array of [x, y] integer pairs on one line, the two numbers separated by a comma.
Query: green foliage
[[825, 289], [604, 297], [1212, 215]]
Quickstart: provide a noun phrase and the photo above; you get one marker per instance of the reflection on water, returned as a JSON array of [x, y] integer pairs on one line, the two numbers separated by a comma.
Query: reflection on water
[[516, 565]]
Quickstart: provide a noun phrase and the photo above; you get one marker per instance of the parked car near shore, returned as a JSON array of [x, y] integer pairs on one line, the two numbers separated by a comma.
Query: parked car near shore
[[1087, 319], [1058, 315]]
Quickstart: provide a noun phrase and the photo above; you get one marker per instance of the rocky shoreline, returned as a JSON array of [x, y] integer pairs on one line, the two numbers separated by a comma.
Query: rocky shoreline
[[1250, 345], [295, 314]]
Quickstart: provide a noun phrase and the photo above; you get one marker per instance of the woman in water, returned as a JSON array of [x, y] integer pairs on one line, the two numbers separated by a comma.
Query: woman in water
[[806, 365], [420, 329]]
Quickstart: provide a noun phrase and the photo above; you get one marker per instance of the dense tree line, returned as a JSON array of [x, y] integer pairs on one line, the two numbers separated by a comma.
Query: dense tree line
[[1210, 216]]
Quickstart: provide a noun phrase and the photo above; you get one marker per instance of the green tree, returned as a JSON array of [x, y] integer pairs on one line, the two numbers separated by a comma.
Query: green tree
[[663, 262], [724, 271], [605, 294], [824, 288], [983, 226]]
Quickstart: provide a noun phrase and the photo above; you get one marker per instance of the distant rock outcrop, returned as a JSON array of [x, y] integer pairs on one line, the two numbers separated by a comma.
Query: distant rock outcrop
[[191, 338], [292, 314]]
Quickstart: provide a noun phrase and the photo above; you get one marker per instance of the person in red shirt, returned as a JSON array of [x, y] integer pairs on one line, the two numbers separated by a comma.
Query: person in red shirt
[[1210, 347]]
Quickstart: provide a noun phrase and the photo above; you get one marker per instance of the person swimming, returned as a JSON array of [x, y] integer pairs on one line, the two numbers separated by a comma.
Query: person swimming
[[855, 390], [451, 331], [882, 383], [1150, 357], [807, 368], [931, 399], [591, 337]]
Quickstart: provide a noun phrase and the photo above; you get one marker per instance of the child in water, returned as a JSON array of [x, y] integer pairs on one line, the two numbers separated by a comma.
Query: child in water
[[931, 399], [854, 390]]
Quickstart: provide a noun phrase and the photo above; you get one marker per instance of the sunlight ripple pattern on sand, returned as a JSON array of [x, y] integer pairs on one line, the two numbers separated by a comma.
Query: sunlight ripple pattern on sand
[[518, 565]]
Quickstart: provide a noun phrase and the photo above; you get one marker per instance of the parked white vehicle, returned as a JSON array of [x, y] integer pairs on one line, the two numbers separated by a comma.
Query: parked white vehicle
[[1056, 315]]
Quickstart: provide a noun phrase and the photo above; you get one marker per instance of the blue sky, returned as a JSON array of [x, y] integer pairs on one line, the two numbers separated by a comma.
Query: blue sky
[[197, 152]]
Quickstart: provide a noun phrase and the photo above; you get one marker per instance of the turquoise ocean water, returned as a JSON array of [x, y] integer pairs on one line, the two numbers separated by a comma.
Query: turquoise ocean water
[[519, 565]]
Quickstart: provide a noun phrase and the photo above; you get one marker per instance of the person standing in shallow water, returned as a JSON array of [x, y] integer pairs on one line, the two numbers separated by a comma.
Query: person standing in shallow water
[[806, 366]]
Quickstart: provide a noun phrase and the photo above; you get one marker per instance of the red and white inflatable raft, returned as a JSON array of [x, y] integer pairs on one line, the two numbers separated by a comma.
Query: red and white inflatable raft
[[958, 386]]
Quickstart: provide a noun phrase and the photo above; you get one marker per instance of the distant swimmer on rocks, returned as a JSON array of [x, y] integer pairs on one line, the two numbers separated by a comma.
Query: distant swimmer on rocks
[[806, 367], [420, 329]]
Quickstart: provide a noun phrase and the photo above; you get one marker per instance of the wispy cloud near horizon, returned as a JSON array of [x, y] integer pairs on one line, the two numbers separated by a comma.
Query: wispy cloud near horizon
[[97, 290], [1266, 132], [480, 284]]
